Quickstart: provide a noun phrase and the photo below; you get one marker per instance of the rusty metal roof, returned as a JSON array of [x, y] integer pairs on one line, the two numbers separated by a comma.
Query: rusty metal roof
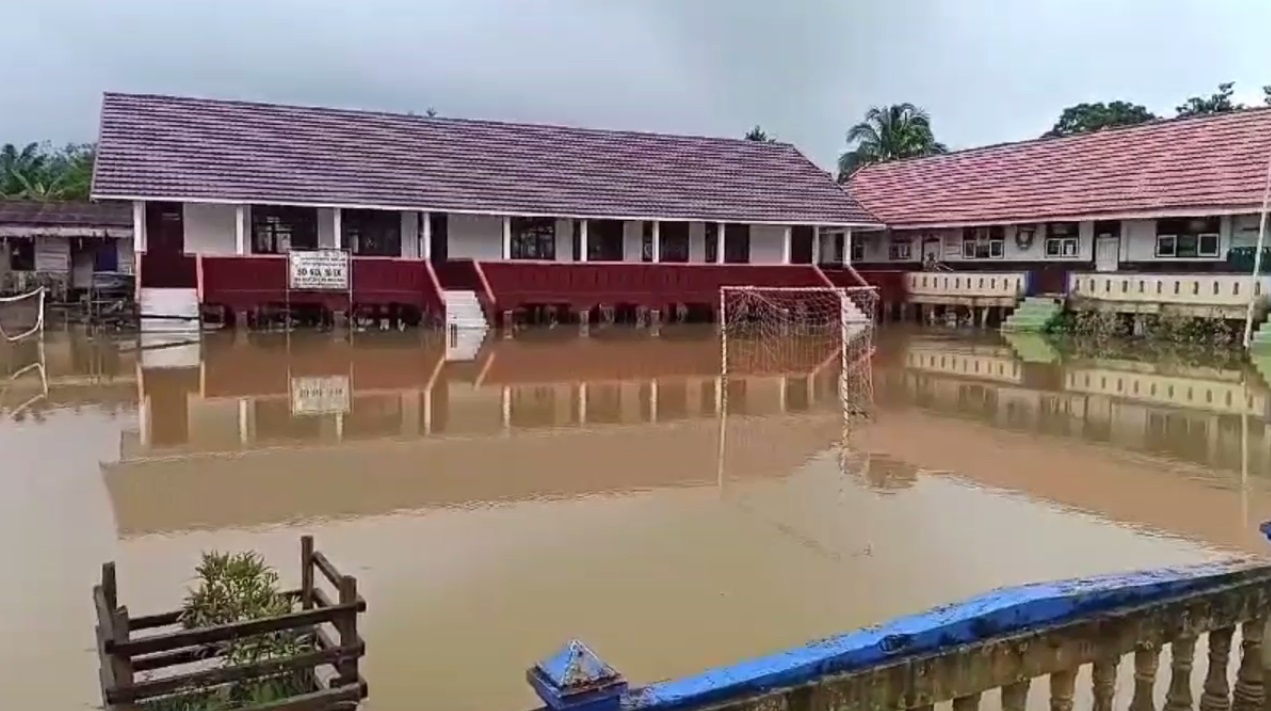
[[65, 214]]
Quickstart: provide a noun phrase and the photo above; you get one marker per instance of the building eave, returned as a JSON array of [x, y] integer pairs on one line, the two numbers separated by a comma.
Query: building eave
[[803, 221], [1144, 214]]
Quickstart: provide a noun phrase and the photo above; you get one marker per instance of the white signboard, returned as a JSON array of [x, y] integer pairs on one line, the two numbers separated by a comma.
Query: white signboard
[[324, 395], [319, 270]]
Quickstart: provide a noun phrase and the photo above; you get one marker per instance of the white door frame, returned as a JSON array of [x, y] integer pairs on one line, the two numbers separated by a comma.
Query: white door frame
[[1099, 264]]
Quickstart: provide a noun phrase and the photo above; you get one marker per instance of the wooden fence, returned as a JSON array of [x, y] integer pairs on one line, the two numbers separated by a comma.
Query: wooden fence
[[148, 660]]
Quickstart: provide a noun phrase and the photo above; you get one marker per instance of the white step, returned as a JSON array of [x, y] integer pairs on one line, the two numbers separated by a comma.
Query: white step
[[463, 310], [463, 344], [177, 310]]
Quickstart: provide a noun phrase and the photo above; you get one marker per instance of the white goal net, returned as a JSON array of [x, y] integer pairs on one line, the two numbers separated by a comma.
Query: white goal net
[[22, 316], [824, 336]]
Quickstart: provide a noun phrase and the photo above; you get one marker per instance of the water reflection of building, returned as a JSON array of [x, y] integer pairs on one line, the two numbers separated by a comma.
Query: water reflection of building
[[278, 430], [1210, 416]]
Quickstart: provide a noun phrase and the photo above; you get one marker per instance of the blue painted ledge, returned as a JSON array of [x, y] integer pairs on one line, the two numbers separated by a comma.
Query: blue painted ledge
[[997, 613]]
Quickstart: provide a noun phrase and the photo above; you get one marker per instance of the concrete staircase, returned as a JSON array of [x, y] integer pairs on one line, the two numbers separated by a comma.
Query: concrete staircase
[[1032, 347], [466, 325], [1033, 315]]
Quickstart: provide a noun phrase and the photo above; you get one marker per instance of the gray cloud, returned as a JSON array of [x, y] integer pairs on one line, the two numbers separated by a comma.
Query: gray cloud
[[987, 70]]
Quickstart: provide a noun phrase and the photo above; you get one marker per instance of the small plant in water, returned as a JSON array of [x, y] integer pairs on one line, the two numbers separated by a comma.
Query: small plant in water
[[239, 587]]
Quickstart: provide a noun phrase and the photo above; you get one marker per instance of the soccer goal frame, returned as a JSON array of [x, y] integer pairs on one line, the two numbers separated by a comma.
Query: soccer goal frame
[[847, 313], [37, 296]]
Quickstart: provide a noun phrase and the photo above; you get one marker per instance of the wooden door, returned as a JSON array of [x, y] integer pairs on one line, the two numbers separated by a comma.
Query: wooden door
[[439, 237], [165, 228]]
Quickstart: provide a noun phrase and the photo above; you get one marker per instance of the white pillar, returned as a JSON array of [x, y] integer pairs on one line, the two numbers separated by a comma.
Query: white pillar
[[240, 230], [337, 227], [657, 241], [719, 243], [847, 246], [507, 238], [425, 232], [582, 239], [817, 247], [139, 225], [786, 240]]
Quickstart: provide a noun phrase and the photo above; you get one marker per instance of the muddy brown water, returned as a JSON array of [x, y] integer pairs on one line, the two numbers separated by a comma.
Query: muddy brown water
[[552, 487]]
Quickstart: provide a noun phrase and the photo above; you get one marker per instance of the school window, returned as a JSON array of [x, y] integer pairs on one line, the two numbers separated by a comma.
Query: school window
[[278, 229], [1062, 239], [737, 244], [22, 254], [372, 233], [712, 242], [533, 238], [899, 251], [674, 239], [1190, 238], [858, 249], [983, 242]]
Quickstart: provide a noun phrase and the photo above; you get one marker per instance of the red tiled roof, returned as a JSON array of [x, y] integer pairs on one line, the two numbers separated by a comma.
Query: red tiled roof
[[157, 147], [65, 214], [1170, 167]]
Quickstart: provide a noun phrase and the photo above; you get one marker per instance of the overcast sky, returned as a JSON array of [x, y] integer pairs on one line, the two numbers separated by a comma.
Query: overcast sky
[[986, 70]]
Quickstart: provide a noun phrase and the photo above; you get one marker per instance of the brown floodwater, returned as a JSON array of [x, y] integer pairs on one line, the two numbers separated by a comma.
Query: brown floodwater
[[551, 487]]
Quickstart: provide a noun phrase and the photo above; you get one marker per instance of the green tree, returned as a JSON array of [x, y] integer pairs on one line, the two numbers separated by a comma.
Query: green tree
[[758, 134], [19, 167], [1088, 118], [888, 133], [1217, 103], [37, 172]]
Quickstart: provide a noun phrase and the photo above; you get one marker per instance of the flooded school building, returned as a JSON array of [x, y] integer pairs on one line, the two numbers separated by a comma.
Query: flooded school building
[[683, 516]]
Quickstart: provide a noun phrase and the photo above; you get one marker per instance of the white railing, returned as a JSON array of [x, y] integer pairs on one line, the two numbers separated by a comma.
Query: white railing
[[992, 285], [1191, 289]]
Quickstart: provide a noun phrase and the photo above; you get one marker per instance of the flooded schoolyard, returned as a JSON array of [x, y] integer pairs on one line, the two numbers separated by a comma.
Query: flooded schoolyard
[[549, 487]]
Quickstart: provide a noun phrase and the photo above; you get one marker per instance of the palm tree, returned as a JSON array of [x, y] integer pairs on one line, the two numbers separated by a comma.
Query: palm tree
[[19, 169], [888, 133]]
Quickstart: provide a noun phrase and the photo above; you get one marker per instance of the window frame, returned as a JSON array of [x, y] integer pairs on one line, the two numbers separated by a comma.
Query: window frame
[[900, 251], [857, 249], [1062, 241], [270, 224], [980, 243], [532, 239], [21, 259], [381, 229], [1186, 237]]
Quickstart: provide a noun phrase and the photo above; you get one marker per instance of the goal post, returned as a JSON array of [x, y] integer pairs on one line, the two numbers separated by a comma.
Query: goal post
[[22, 316], [801, 331], [795, 371]]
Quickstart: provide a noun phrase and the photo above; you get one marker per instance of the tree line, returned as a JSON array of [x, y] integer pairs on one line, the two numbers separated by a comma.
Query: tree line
[[904, 130], [40, 171]]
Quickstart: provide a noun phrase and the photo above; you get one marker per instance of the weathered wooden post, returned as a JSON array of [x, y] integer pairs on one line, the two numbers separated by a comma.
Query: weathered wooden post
[[306, 572], [346, 626]]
